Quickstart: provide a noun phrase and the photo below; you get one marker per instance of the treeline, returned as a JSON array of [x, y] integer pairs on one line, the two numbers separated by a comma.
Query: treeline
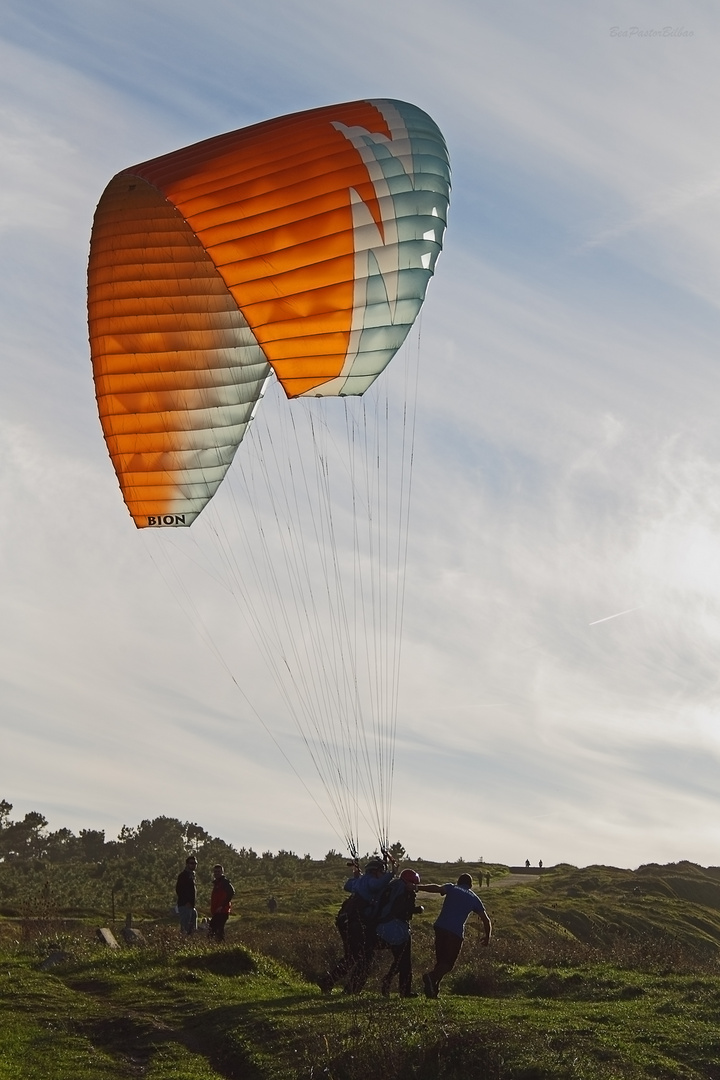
[[85, 873]]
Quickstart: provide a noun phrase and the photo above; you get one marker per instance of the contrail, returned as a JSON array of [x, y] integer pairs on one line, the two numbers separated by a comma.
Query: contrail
[[615, 616]]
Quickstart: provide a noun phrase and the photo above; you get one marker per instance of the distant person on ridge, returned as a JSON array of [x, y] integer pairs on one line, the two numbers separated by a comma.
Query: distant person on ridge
[[449, 927], [220, 903], [186, 896], [355, 924]]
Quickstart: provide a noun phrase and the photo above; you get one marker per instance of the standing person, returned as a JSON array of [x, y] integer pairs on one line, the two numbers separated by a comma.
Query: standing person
[[220, 903], [393, 931], [187, 895], [355, 924], [449, 927]]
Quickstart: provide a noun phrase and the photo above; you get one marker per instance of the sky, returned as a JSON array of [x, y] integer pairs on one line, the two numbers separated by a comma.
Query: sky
[[560, 694]]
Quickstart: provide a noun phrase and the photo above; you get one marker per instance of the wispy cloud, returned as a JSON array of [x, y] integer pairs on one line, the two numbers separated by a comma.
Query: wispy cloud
[[617, 615]]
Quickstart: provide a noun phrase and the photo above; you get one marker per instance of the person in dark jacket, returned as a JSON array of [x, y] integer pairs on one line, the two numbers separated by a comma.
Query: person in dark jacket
[[186, 896], [220, 903], [393, 931]]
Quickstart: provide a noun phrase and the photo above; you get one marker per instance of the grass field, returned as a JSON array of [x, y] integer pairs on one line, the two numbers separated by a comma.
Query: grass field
[[595, 973]]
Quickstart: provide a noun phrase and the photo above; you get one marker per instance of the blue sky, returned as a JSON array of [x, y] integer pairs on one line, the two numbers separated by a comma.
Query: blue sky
[[568, 454]]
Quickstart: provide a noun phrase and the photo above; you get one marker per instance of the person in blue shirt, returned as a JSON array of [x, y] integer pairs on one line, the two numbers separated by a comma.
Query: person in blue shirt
[[355, 923], [449, 927]]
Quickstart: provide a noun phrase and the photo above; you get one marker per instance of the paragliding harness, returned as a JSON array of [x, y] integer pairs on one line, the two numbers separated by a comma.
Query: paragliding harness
[[357, 909], [349, 909]]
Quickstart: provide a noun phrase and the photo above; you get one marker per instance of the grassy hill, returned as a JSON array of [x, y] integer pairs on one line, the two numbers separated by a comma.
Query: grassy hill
[[592, 973]]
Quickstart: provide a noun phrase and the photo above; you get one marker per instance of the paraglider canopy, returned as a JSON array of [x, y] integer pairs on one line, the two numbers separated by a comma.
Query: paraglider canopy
[[302, 245]]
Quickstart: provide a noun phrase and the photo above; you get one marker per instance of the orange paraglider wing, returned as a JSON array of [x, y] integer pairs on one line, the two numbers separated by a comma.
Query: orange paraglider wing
[[305, 243]]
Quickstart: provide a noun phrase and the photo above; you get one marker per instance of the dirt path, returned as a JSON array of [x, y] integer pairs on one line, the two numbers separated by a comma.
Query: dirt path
[[510, 879]]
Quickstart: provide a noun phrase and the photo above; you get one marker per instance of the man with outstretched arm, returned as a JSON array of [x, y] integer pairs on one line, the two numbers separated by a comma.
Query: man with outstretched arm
[[449, 927]]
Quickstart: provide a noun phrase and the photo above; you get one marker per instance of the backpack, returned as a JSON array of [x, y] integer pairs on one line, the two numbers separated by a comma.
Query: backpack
[[392, 925], [389, 900]]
